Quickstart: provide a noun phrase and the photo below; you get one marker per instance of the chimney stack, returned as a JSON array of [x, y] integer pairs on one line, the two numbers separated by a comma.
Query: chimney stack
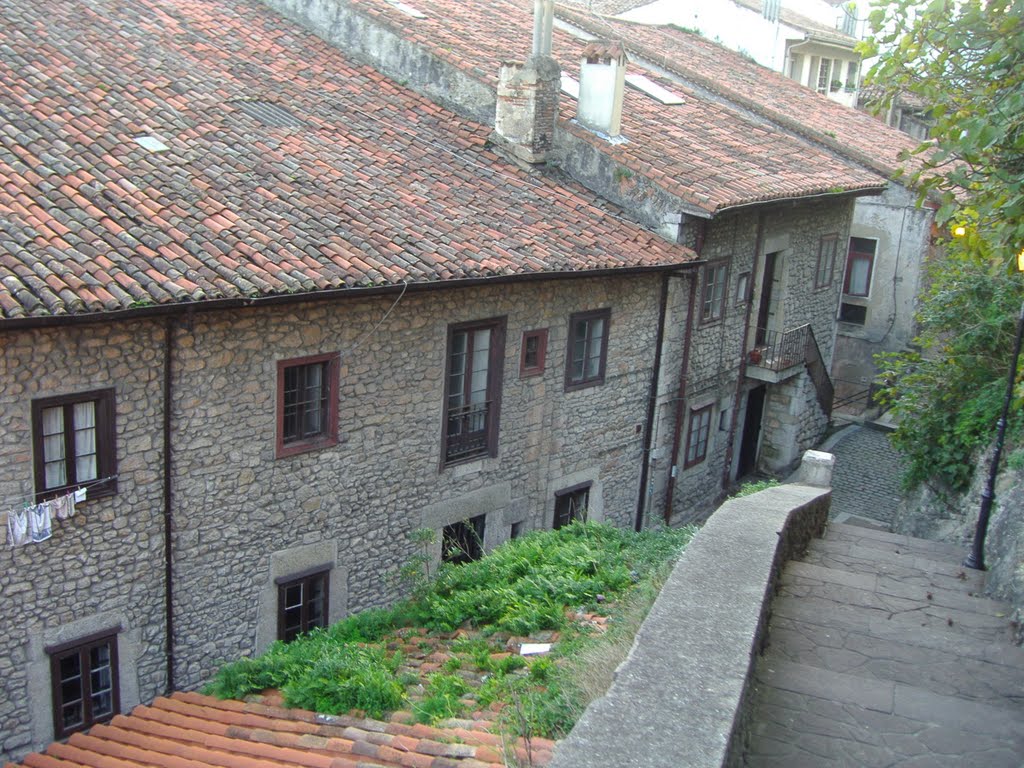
[[602, 85], [527, 104]]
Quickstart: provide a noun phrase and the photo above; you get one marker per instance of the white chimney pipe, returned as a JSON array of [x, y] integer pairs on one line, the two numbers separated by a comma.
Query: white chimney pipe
[[602, 87], [543, 21]]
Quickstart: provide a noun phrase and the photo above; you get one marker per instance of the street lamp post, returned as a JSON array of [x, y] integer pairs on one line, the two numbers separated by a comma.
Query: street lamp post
[[976, 559]]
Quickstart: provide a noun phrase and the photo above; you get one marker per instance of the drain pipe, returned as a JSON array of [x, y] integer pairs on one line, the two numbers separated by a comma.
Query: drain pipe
[[652, 398], [730, 444], [168, 516], [684, 367]]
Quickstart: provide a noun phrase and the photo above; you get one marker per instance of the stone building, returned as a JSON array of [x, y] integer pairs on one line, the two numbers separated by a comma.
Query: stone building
[[274, 311]]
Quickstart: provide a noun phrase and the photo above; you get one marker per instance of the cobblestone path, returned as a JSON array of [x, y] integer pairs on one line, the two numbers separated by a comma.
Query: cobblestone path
[[866, 480], [880, 653]]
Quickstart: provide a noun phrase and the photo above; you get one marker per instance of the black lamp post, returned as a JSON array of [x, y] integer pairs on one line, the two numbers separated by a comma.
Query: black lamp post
[[976, 559]]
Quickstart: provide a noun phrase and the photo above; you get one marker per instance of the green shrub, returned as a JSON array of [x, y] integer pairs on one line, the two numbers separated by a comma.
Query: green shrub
[[442, 700], [351, 677]]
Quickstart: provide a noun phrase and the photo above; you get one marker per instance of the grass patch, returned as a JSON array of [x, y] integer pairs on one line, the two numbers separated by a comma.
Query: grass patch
[[536, 583], [754, 487]]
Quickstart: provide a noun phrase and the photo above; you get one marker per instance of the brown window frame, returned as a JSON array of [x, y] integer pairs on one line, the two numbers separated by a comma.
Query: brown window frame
[[328, 436], [105, 482], [562, 519], [304, 580], [708, 316], [525, 369], [701, 418], [82, 649], [851, 256], [825, 268], [487, 444], [463, 540], [572, 384]]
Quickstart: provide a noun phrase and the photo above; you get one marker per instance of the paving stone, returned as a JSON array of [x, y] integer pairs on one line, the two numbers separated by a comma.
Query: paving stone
[[863, 452], [878, 654]]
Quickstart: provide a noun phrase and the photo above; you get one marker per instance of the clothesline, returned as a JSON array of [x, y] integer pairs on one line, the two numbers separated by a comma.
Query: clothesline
[[23, 501]]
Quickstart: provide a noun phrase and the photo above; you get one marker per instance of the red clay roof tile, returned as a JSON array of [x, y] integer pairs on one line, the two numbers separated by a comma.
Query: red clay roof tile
[[381, 186]]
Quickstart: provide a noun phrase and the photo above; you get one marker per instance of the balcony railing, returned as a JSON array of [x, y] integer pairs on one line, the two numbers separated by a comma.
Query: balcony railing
[[467, 431], [778, 351]]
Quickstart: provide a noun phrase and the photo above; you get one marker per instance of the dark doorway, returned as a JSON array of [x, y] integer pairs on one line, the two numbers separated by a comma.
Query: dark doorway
[[463, 541], [765, 307], [751, 431]]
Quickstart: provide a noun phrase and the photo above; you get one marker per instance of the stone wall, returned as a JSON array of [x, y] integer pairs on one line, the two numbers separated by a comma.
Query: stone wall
[[243, 518], [103, 567]]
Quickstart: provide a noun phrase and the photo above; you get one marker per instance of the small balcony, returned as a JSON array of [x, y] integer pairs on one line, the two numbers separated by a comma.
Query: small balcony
[[468, 432], [777, 356]]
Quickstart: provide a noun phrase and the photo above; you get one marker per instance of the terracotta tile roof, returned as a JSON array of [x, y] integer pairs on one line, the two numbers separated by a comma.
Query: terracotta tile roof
[[704, 151], [189, 730], [340, 178], [745, 83]]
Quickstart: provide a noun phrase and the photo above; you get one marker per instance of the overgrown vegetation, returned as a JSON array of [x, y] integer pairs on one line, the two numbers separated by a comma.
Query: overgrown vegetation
[[541, 583], [755, 486], [965, 60]]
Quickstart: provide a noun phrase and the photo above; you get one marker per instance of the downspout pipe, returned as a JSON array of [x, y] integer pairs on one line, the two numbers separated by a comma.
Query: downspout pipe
[[168, 511], [684, 368], [652, 403], [730, 448]]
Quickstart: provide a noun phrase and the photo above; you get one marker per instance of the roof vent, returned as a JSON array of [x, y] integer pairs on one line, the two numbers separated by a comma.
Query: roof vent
[[151, 143], [602, 72], [269, 113]]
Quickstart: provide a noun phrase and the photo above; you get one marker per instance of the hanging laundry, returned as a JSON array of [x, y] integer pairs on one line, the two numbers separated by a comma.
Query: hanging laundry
[[17, 527], [80, 494], [39, 522], [63, 507]]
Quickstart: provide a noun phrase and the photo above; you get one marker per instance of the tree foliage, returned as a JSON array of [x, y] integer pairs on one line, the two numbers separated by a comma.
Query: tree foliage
[[965, 60]]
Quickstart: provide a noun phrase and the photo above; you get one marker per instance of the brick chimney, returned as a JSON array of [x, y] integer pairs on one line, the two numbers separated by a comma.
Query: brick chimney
[[602, 85], [527, 104]]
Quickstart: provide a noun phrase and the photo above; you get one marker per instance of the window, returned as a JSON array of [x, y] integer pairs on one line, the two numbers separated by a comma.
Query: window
[[463, 542], [534, 352], [571, 504], [852, 74], [587, 349], [743, 288], [473, 390], [713, 305], [84, 679], [828, 246], [859, 265], [697, 437], [824, 68], [301, 603], [853, 313], [307, 411], [73, 440]]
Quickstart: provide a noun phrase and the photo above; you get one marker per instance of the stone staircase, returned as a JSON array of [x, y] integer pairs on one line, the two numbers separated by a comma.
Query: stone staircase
[[881, 652]]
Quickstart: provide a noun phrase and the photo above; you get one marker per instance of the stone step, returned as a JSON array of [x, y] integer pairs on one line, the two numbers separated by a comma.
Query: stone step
[[908, 568], [943, 671], [871, 589], [876, 539], [813, 717]]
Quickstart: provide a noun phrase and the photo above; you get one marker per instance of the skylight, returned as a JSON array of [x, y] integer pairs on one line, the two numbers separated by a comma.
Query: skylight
[[151, 143], [653, 90], [408, 10], [570, 86]]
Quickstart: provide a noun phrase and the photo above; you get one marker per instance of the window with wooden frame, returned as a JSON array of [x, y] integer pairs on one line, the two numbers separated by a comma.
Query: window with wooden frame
[[697, 436], [534, 352], [716, 277], [302, 603], [571, 504], [828, 247], [742, 288], [307, 404], [84, 680], [74, 444], [476, 353], [860, 263], [587, 349]]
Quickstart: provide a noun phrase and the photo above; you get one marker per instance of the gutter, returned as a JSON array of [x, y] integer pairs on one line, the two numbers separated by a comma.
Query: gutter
[[210, 305], [865, 192], [684, 367]]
